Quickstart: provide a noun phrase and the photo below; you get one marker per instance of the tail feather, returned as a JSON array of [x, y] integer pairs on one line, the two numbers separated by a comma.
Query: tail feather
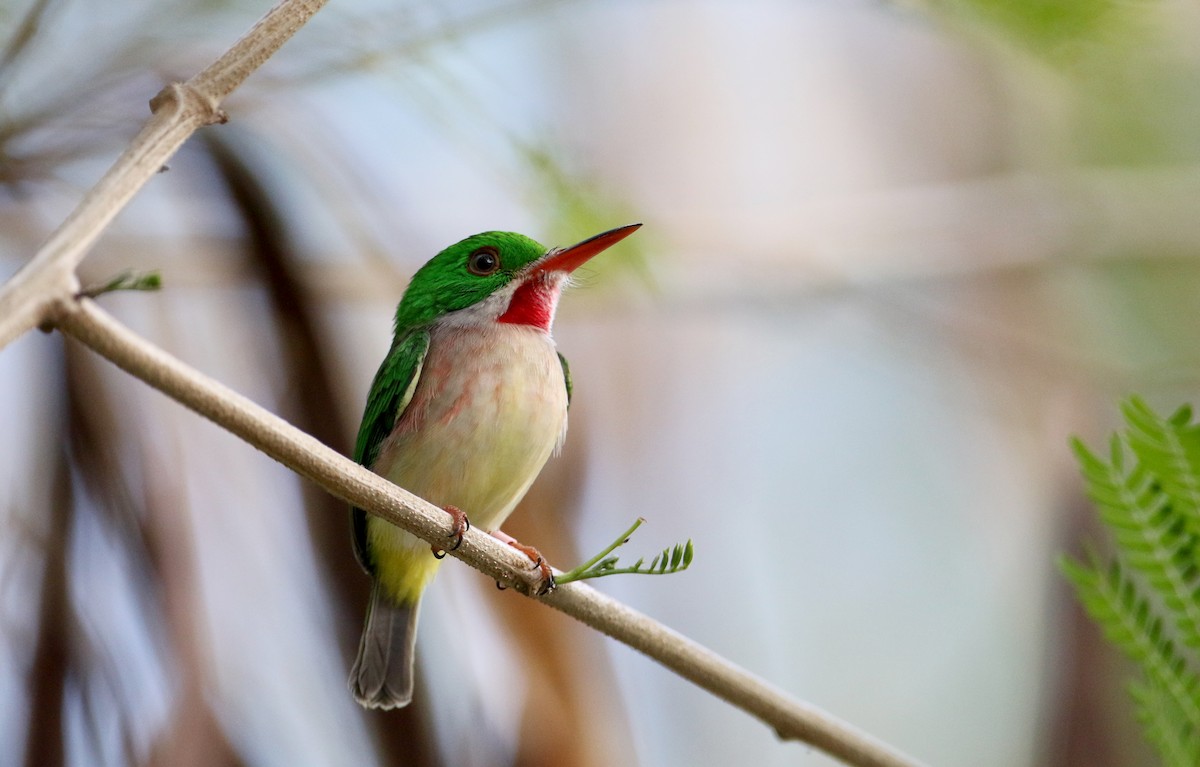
[[382, 676]]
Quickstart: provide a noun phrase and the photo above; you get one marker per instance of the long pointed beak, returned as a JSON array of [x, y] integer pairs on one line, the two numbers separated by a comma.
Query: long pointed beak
[[570, 259]]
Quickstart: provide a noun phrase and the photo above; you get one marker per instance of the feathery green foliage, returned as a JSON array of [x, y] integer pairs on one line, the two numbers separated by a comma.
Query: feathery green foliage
[[1147, 599], [1045, 25], [672, 560], [578, 203], [1166, 728]]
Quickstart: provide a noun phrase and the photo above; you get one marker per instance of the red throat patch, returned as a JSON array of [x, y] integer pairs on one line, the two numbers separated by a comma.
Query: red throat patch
[[533, 303]]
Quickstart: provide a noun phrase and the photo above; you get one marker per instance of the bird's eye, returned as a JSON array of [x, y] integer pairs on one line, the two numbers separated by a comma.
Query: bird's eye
[[484, 261]]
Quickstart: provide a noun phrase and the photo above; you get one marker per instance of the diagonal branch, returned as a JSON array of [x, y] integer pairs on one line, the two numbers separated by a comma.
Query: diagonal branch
[[47, 283], [790, 718]]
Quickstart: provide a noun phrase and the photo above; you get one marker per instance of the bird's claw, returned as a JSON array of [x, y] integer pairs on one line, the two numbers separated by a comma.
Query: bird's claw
[[459, 525], [545, 583]]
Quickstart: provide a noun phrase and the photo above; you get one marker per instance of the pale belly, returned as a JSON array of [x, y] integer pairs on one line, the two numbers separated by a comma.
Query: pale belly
[[489, 409]]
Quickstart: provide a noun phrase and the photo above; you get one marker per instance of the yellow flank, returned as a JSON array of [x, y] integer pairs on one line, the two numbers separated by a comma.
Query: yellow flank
[[403, 571], [488, 411]]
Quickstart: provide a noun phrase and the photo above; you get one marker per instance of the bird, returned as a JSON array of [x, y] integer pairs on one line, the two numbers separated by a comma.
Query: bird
[[465, 410]]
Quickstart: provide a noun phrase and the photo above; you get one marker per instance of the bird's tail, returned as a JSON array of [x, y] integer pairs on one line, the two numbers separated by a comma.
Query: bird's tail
[[382, 676]]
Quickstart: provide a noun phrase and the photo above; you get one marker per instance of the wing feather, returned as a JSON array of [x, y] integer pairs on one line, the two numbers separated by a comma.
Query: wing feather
[[391, 392], [566, 377]]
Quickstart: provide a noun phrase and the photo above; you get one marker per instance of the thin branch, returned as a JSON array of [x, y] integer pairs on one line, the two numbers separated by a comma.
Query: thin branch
[[791, 719], [18, 44], [47, 283]]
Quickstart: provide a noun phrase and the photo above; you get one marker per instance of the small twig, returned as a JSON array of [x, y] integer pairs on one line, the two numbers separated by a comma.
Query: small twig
[[22, 36], [126, 280], [672, 560], [572, 575]]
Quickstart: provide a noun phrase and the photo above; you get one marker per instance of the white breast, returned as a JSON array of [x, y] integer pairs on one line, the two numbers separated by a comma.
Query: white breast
[[488, 411]]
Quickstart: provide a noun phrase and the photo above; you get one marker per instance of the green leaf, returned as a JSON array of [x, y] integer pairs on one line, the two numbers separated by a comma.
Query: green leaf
[[1124, 614], [1160, 445], [1165, 724], [1153, 538], [1057, 29], [126, 280], [1182, 416], [671, 560], [1147, 600]]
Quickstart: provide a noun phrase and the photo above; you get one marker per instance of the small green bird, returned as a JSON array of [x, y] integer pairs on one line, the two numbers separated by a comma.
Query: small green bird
[[466, 408]]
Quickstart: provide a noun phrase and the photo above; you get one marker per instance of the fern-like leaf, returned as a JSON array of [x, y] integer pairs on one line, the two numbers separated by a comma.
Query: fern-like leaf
[[1153, 537], [1166, 726], [672, 560], [1114, 602], [1161, 446]]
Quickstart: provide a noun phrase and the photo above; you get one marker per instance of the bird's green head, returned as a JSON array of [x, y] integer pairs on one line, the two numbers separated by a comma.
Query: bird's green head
[[496, 277]]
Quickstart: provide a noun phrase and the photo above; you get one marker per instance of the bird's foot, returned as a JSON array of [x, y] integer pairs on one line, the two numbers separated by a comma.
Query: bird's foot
[[459, 525], [545, 583]]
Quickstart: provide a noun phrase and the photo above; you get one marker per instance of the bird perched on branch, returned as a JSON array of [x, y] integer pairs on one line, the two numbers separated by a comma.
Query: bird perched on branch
[[466, 408]]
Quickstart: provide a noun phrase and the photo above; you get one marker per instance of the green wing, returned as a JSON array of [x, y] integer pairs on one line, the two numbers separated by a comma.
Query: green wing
[[566, 377], [391, 392]]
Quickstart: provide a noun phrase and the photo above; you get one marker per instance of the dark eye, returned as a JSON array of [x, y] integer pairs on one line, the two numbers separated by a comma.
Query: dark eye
[[484, 261]]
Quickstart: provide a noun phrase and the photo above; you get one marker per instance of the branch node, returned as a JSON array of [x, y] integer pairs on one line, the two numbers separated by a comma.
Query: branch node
[[186, 101], [58, 307], [165, 97]]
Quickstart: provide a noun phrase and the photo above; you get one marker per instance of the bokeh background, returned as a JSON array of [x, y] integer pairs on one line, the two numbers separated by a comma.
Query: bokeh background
[[894, 255]]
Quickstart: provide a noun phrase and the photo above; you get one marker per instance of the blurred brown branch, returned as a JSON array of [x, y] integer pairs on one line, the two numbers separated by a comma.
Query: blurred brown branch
[[51, 663], [315, 409]]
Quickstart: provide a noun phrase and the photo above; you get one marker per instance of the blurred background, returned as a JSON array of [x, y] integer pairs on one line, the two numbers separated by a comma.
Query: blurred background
[[894, 255]]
